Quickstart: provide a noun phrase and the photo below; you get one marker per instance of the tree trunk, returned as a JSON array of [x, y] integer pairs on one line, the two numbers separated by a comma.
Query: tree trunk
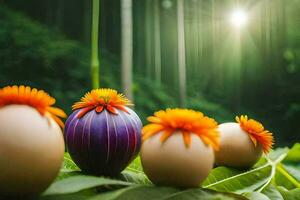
[[148, 38], [126, 54], [157, 51], [181, 52], [95, 63], [87, 21], [60, 15]]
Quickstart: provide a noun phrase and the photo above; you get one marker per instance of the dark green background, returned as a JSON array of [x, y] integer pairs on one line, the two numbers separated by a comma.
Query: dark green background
[[45, 44]]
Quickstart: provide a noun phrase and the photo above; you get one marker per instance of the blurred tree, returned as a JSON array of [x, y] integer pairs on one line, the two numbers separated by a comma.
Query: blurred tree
[[126, 52], [148, 37], [181, 52], [157, 45], [95, 64], [255, 72]]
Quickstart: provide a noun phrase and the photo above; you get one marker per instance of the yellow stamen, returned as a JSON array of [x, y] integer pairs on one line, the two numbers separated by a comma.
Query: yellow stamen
[[98, 99]]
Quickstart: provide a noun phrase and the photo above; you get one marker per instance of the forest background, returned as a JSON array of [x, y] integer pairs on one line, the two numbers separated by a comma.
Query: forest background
[[184, 54]]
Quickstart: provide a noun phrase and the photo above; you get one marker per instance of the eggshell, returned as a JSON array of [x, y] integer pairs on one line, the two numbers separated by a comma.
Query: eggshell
[[31, 150], [172, 163], [236, 147]]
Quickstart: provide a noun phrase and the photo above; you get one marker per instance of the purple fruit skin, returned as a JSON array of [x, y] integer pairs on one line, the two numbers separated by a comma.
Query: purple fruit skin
[[103, 143]]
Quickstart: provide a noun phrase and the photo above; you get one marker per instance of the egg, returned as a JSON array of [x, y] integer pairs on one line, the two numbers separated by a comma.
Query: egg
[[178, 147], [31, 150], [172, 163], [236, 147]]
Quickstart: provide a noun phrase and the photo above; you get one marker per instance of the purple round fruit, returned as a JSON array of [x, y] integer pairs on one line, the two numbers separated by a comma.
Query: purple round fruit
[[103, 135]]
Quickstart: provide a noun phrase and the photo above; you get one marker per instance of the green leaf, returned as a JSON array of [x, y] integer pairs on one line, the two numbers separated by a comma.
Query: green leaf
[[293, 170], [135, 177], [272, 192], [134, 173], [136, 165], [225, 179], [278, 154], [135, 193], [256, 196], [163, 193], [74, 196], [69, 164], [289, 194], [200, 194], [294, 154], [66, 174], [69, 168], [287, 176], [269, 193], [255, 183], [80, 182]]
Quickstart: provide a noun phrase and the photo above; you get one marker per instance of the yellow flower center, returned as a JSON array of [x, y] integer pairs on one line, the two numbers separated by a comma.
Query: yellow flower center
[[99, 99]]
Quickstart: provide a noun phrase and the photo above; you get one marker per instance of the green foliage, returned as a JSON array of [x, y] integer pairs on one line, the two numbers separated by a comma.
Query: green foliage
[[211, 109], [78, 183], [258, 183], [44, 58], [68, 164], [293, 194], [35, 55], [257, 179], [256, 196], [294, 154], [162, 193], [150, 97], [256, 72], [134, 173]]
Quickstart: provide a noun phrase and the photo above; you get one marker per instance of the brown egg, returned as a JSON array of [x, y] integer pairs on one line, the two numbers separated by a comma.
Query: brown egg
[[236, 147], [31, 150], [172, 163]]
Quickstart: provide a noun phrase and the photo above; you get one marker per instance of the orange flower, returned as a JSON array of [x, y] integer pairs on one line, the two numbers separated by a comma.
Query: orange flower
[[256, 132], [185, 120], [37, 99], [99, 99]]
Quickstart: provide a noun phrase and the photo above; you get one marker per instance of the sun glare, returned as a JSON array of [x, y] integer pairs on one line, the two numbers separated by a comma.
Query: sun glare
[[238, 18]]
